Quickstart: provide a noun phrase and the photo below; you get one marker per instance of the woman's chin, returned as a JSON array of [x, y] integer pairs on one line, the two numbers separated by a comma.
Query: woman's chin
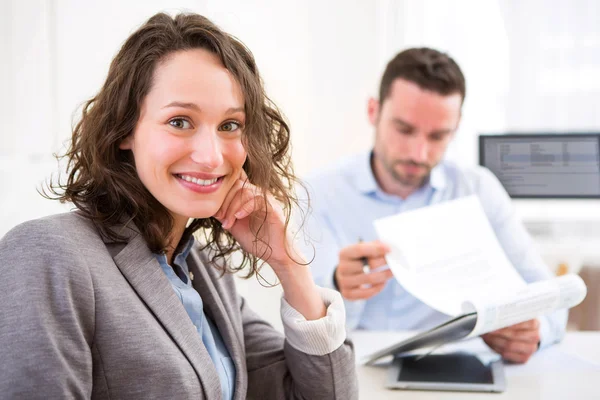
[[198, 214], [203, 215]]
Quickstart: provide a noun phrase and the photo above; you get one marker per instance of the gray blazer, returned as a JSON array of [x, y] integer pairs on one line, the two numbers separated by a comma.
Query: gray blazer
[[81, 317]]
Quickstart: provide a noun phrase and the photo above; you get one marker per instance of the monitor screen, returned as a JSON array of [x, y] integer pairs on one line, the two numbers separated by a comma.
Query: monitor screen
[[544, 165]]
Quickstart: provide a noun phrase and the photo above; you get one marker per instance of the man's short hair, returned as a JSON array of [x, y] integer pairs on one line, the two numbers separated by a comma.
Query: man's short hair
[[427, 68]]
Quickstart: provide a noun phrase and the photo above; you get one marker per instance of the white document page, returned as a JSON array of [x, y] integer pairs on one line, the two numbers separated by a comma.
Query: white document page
[[447, 254], [536, 299]]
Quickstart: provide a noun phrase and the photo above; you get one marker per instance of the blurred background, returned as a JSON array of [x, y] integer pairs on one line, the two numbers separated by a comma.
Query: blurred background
[[531, 66]]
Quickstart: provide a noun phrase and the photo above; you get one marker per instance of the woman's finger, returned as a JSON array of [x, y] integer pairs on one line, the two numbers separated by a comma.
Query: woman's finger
[[237, 186], [246, 209], [243, 196]]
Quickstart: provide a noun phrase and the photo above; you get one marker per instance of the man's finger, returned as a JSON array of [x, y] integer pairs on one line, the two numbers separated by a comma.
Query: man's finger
[[531, 324], [515, 333], [363, 293], [497, 343], [523, 326], [348, 268], [376, 262], [529, 336], [372, 278], [517, 358], [515, 351], [365, 249], [513, 346], [355, 266]]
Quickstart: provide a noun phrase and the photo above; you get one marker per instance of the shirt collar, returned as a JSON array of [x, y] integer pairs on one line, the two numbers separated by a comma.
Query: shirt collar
[[180, 257], [366, 183], [363, 176], [437, 178]]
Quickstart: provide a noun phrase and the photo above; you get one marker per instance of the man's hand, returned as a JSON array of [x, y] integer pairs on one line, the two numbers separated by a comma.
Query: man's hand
[[353, 283], [515, 343]]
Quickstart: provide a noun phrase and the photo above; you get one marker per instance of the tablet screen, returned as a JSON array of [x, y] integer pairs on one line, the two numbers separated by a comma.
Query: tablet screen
[[446, 368]]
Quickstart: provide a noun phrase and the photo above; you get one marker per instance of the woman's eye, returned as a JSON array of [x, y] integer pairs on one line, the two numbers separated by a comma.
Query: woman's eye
[[180, 123], [230, 126]]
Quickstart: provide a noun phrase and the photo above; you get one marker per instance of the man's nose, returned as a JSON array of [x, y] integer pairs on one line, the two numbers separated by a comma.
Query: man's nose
[[419, 151]]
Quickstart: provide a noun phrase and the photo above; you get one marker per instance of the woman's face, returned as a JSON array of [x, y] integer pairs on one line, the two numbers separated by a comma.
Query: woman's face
[[187, 142]]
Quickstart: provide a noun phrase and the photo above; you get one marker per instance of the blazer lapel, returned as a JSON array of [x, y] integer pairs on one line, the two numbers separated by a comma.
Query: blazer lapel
[[214, 307], [143, 272]]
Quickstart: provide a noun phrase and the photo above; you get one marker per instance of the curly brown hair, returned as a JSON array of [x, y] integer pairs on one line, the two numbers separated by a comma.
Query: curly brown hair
[[102, 181]]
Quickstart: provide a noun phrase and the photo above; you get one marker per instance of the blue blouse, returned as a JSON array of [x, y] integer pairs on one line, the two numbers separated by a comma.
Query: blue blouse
[[179, 276]]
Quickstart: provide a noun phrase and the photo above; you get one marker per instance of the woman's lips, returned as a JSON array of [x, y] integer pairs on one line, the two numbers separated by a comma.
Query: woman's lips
[[199, 185]]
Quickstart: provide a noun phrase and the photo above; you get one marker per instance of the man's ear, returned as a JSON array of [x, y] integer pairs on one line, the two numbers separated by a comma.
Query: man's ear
[[457, 125], [373, 110], [127, 143]]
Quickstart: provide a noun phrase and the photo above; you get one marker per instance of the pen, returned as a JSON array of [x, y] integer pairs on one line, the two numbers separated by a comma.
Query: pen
[[365, 261]]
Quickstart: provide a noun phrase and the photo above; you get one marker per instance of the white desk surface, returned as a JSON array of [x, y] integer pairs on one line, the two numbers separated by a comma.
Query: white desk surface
[[569, 370]]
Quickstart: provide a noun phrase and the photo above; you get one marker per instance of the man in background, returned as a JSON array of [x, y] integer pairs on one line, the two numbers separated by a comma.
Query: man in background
[[418, 112]]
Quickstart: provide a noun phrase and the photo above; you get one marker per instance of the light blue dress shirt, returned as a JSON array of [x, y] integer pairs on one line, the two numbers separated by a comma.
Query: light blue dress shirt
[[345, 200], [182, 285]]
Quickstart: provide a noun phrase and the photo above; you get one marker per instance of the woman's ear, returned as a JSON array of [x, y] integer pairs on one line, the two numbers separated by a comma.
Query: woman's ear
[[127, 143]]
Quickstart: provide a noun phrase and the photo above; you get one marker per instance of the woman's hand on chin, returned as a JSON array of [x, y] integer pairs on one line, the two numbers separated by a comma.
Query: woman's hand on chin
[[257, 222]]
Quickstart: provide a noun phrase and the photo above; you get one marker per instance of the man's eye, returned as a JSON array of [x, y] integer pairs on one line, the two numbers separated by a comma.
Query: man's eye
[[180, 123], [230, 126]]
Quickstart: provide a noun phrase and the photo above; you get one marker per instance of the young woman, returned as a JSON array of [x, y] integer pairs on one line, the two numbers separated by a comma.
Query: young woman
[[117, 299]]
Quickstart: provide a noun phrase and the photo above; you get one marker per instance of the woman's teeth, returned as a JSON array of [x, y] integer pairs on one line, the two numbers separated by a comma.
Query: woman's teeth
[[201, 182]]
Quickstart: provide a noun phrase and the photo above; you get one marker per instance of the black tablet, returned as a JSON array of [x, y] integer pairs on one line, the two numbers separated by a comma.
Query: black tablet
[[447, 372]]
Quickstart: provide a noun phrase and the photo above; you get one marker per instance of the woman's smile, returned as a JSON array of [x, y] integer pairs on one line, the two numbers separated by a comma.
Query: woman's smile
[[198, 184]]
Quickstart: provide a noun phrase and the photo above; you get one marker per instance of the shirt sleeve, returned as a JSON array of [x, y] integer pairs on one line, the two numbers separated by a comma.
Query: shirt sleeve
[[316, 337], [519, 248]]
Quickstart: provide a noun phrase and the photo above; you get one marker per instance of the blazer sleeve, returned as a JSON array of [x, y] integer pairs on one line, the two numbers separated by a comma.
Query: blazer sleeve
[[47, 313], [279, 370]]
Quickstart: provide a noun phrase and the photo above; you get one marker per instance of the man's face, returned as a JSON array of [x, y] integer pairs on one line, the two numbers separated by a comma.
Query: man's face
[[413, 128]]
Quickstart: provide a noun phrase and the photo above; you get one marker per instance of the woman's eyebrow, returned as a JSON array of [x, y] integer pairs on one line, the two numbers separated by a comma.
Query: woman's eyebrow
[[191, 106], [233, 110]]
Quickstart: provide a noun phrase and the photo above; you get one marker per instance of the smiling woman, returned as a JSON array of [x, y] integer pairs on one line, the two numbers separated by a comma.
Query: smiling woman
[[186, 81], [121, 301]]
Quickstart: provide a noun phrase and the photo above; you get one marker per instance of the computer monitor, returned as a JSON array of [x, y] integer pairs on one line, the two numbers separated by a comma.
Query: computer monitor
[[556, 165]]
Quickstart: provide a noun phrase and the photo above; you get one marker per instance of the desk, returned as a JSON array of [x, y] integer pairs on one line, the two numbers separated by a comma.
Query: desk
[[569, 370]]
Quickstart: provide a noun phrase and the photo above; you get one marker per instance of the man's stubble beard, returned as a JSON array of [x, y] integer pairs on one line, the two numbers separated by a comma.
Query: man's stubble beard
[[412, 182]]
